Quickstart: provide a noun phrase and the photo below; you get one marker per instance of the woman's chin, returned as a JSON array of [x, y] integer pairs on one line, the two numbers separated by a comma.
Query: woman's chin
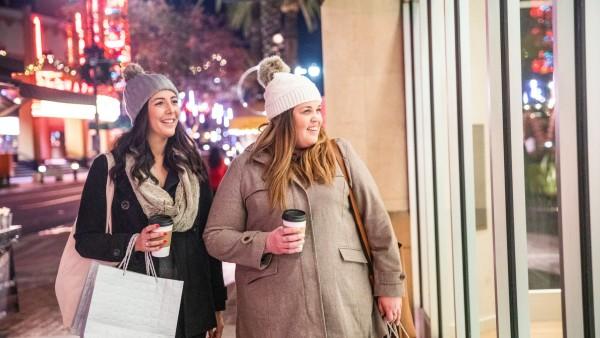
[[168, 133], [306, 145]]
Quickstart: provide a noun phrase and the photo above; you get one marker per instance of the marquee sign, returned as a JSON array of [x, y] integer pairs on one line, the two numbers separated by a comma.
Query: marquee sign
[[58, 80]]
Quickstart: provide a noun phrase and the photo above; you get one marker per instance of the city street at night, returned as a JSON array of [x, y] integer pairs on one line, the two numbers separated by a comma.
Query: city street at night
[[46, 212], [38, 207]]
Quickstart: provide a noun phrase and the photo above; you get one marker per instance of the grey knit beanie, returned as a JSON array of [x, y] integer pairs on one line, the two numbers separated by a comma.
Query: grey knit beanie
[[140, 87]]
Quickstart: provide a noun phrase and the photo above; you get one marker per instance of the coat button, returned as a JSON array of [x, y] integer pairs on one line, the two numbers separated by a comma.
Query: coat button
[[125, 205], [116, 252]]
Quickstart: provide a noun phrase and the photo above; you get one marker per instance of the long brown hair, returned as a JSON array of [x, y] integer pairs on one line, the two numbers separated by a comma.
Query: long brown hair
[[315, 164]]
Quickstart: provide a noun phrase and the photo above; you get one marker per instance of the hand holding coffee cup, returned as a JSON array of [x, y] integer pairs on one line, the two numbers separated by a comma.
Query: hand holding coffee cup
[[294, 218], [150, 241], [165, 228], [289, 238]]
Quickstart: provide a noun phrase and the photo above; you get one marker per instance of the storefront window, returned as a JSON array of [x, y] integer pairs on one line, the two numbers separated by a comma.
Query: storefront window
[[539, 145], [537, 41]]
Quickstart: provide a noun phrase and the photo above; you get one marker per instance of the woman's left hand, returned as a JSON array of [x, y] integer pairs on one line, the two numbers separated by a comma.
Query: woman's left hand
[[390, 308], [218, 331]]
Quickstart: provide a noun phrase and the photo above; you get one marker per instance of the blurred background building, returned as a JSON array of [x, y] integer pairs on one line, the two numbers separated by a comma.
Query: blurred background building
[[61, 64]]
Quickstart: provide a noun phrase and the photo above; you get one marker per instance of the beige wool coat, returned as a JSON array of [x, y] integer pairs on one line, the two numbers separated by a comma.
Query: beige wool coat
[[323, 291]]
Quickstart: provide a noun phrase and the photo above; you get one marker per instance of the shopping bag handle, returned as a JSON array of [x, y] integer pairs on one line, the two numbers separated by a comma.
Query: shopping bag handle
[[150, 270]]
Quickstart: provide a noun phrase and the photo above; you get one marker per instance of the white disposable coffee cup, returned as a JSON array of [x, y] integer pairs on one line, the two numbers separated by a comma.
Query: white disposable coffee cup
[[295, 224], [294, 218], [166, 226], [164, 251]]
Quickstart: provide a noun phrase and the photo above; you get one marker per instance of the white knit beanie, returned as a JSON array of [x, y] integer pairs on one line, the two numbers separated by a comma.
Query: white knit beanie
[[284, 90]]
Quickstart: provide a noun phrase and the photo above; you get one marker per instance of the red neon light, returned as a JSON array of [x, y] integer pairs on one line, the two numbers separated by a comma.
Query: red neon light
[[80, 36], [38, 36], [95, 21], [70, 53]]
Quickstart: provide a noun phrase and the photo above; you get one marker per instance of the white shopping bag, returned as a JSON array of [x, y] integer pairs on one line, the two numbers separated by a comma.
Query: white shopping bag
[[129, 304], [228, 273]]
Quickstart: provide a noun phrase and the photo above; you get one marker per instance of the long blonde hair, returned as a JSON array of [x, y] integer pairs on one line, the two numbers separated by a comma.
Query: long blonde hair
[[316, 164]]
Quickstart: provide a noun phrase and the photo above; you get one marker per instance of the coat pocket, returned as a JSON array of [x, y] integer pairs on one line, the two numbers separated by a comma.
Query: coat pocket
[[252, 192], [255, 199], [254, 275], [353, 255]]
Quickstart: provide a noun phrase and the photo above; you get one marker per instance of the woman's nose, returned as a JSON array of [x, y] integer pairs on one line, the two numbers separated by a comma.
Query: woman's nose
[[173, 108]]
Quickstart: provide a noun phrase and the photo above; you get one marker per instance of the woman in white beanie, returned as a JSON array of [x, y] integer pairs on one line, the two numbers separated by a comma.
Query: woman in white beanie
[[157, 171], [312, 281]]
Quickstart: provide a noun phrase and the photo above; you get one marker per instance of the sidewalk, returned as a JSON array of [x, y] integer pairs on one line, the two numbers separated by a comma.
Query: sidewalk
[[36, 260]]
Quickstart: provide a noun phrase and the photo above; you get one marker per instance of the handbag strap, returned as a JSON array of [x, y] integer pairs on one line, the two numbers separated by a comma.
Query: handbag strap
[[110, 191], [150, 269], [360, 226]]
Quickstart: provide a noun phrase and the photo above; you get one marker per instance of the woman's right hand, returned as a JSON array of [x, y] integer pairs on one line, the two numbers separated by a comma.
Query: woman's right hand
[[149, 241], [284, 240]]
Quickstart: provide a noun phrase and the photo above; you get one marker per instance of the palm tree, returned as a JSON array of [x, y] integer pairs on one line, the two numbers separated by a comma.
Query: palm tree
[[275, 16]]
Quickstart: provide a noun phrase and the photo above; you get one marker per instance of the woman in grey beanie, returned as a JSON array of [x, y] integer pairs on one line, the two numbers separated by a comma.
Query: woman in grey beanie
[[310, 280], [157, 171]]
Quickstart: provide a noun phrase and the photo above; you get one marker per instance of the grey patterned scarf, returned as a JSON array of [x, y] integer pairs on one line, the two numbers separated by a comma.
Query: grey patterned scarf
[[155, 200]]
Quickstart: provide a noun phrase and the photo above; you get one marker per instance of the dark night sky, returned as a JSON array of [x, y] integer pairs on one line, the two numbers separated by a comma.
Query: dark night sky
[[310, 49]]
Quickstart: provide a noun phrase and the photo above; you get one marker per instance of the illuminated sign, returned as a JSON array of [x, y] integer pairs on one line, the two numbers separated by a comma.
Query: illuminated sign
[[56, 80], [109, 109], [80, 37], [9, 125]]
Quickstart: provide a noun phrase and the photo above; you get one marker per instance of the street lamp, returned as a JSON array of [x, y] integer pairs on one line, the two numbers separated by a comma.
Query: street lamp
[[74, 167], [278, 38], [299, 70], [314, 71], [97, 71], [42, 170]]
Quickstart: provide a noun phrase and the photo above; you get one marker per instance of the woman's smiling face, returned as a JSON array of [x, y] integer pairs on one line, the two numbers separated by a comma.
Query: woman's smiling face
[[163, 113], [307, 123]]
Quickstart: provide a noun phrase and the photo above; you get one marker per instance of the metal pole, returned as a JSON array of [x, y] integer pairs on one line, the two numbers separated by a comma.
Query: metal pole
[[96, 139]]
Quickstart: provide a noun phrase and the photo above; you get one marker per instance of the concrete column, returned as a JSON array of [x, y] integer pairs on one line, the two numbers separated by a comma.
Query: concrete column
[[41, 139], [364, 88], [75, 138], [26, 132]]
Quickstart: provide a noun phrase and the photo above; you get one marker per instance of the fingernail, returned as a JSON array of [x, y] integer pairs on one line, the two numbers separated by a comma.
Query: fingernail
[[165, 241]]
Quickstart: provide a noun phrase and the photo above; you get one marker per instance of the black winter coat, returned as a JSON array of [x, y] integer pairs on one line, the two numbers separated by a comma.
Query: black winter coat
[[203, 288]]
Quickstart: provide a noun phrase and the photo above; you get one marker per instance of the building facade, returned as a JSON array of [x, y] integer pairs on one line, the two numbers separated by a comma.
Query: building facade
[[59, 115]]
